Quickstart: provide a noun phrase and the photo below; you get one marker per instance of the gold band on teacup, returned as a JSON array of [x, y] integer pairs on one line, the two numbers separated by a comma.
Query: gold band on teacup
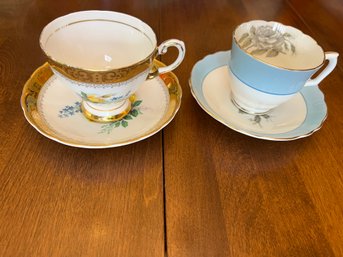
[[103, 77]]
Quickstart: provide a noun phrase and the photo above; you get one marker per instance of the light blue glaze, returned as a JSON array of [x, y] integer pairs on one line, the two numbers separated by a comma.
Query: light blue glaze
[[313, 97], [264, 77]]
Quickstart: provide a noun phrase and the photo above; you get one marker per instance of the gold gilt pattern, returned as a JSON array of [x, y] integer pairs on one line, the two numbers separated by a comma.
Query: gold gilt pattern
[[103, 77]]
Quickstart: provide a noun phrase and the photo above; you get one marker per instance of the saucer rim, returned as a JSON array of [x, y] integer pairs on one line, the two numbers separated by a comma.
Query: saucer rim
[[265, 136], [169, 79]]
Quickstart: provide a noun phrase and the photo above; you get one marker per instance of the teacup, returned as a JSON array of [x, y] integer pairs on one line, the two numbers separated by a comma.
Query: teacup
[[104, 57], [273, 62]]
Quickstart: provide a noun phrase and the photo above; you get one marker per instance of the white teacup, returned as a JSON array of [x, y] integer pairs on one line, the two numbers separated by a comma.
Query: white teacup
[[104, 57], [273, 62]]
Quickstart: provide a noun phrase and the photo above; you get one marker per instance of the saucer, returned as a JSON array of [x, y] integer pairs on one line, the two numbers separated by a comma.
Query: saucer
[[53, 109], [299, 117]]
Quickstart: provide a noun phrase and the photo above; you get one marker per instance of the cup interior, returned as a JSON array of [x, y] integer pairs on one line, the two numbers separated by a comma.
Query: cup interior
[[278, 45], [98, 40]]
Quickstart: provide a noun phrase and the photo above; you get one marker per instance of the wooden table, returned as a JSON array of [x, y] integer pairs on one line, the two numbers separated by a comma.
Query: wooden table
[[197, 188]]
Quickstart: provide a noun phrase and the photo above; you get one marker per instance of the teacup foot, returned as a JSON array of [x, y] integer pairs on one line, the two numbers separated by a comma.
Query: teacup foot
[[246, 110], [114, 112]]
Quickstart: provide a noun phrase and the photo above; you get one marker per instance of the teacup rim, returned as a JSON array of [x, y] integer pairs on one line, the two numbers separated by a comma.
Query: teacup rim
[[50, 59], [273, 65]]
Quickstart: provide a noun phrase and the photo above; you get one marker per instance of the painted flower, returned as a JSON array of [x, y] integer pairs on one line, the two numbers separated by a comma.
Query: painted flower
[[70, 110], [266, 40], [267, 37]]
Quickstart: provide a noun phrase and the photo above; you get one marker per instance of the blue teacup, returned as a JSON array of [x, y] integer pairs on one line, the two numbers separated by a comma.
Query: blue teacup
[[274, 61]]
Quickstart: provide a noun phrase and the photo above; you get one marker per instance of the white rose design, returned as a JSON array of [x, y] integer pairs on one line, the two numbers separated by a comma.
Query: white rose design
[[265, 39]]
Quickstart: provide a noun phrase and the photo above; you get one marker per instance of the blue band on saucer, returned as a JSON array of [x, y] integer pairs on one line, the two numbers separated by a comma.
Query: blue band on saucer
[[313, 98]]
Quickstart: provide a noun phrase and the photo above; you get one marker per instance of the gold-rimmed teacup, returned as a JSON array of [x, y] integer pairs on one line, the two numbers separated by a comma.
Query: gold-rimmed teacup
[[104, 57]]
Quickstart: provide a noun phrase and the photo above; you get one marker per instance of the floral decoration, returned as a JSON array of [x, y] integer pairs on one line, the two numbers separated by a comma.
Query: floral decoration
[[266, 40]]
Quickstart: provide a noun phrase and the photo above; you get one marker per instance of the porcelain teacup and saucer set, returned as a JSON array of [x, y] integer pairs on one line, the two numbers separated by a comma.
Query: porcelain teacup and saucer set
[[266, 86], [102, 85]]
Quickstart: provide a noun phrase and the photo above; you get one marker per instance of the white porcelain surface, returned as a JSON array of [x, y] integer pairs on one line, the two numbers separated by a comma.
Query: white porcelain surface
[[217, 92], [55, 97], [211, 85], [98, 40], [112, 109]]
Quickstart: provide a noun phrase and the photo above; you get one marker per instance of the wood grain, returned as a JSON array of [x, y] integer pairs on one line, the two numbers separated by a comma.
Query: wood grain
[[231, 195], [198, 188], [63, 201]]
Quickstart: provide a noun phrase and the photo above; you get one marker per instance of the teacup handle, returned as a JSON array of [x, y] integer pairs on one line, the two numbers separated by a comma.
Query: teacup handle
[[332, 58], [162, 49]]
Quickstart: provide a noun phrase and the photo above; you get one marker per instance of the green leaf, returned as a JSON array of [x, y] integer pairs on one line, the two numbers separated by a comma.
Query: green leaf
[[244, 36], [116, 124], [128, 117], [272, 53], [134, 113], [253, 30], [287, 35], [124, 123], [293, 48], [83, 95], [136, 103], [259, 51], [107, 128]]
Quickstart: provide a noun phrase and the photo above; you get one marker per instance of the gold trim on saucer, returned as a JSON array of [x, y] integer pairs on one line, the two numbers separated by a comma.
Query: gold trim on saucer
[[36, 82]]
